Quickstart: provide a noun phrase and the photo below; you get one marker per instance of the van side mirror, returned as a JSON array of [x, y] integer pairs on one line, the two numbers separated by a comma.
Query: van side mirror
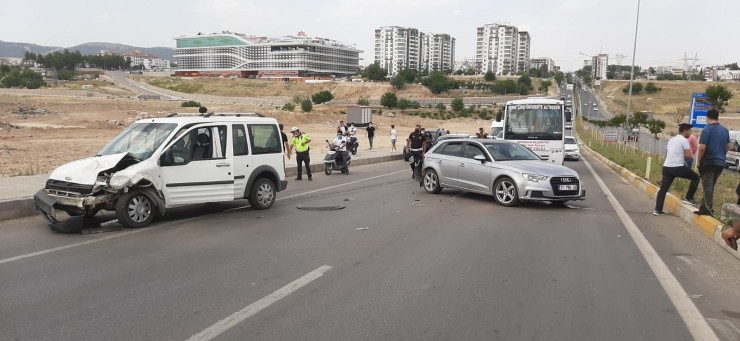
[[166, 158], [498, 117]]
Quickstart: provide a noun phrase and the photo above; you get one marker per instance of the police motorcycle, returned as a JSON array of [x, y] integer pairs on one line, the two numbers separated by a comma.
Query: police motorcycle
[[333, 160]]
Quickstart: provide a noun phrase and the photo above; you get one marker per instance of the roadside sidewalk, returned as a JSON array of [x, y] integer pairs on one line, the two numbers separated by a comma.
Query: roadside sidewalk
[[16, 197]]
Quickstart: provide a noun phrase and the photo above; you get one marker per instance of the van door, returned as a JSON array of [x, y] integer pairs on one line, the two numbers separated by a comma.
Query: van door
[[242, 160], [197, 169]]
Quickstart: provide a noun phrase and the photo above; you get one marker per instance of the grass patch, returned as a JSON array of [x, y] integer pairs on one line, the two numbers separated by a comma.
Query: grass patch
[[636, 162], [176, 84]]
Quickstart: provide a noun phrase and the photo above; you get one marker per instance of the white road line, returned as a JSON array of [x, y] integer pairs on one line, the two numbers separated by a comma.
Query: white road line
[[123, 234], [695, 322], [254, 308]]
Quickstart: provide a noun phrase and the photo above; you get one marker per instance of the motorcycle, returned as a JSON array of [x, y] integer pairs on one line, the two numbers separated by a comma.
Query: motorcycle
[[331, 163], [353, 145]]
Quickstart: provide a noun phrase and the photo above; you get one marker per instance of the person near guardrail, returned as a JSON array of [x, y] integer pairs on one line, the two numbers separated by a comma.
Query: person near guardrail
[[694, 143], [710, 159], [394, 135], [675, 166]]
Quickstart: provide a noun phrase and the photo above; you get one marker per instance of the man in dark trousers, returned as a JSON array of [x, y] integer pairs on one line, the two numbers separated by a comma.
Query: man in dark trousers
[[676, 166], [300, 142], [286, 143], [370, 134], [710, 159], [415, 144]]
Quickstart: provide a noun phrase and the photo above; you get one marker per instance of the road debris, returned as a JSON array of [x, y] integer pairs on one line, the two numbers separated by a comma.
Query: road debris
[[362, 228]]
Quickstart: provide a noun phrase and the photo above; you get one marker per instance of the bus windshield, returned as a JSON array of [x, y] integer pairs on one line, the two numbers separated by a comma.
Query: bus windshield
[[534, 122]]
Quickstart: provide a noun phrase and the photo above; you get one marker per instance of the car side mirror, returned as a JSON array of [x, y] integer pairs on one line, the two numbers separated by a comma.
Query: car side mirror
[[480, 158], [498, 117]]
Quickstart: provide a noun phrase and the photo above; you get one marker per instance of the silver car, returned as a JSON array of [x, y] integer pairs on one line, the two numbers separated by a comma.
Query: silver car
[[508, 171]]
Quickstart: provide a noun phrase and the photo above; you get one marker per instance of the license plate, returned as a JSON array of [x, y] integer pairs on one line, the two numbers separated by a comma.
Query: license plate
[[568, 187]]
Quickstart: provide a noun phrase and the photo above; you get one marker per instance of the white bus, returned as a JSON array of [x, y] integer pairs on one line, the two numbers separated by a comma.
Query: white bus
[[538, 124]]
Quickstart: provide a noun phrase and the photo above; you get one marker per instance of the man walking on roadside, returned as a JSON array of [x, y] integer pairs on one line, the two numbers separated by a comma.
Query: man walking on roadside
[[286, 143], [675, 166], [415, 144], [300, 142], [370, 134], [710, 159]]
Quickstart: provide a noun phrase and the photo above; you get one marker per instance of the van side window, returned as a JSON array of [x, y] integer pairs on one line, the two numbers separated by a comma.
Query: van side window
[[210, 143], [239, 135], [264, 139]]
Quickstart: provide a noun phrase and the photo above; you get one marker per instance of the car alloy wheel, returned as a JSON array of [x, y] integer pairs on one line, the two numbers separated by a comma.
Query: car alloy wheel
[[505, 192], [431, 182]]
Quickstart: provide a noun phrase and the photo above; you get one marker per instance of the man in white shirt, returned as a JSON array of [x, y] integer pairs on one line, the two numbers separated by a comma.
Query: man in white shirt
[[341, 143], [678, 152]]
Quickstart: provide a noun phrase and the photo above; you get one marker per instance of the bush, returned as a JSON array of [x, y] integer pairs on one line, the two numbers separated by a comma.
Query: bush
[[363, 101], [403, 104], [322, 97], [398, 82], [489, 76], [636, 88], [651, 88], [457, 104], [415, 105], [190, 104], [441, 107], [306, 105], [65, 75], [389, 100], [288, 107]]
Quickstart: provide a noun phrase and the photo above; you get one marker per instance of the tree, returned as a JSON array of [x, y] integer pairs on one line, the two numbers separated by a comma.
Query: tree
[[559, 77], [526, 81], [636, 88], [732, 66], [65, 75], [389, 100], [617, 121], [403, 104], [651, 88], [457, 104], [718, 95], [408, 75], [679, 114], [637, 120], [288, 107], [544, 86], [438, 82], [655, 126], [306, 105], [504, 87], [322, 97], [489, 76], [398, 82], [374, 73], [363, 101]]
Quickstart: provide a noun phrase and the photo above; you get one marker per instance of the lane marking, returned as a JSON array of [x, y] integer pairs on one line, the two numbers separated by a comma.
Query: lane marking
[[126, 233], [695, 322], [254, 308]]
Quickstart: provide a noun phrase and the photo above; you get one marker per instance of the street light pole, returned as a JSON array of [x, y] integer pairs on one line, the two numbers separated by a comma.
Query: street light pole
[[632, 72]]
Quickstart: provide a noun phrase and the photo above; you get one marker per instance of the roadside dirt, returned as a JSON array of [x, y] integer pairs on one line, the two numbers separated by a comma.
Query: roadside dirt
[[37, 134]]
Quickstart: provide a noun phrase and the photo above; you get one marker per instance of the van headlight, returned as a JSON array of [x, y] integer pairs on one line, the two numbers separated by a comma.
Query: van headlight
[[534, 177]]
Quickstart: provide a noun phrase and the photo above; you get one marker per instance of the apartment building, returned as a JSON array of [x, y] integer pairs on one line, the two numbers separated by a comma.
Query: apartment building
[[146, 60], [498, 49], [599, 63], [438, 52], [289, 57], [398, 48], [537, 63]]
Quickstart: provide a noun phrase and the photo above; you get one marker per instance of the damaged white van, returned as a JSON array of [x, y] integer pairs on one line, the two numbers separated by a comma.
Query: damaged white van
[[161, 163]]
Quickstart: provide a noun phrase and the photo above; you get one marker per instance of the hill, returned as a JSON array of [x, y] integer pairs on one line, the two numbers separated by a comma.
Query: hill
[[16, 50]]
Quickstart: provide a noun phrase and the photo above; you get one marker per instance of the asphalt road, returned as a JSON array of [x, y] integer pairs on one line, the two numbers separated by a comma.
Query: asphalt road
[[120, 78], [395, 263]]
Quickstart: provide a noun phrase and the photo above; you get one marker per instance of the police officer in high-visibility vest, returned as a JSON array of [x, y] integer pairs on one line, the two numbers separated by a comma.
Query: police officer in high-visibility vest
[[300, 142]]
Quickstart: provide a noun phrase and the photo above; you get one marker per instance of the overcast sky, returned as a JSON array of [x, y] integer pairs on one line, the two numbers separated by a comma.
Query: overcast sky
[[560, 29]]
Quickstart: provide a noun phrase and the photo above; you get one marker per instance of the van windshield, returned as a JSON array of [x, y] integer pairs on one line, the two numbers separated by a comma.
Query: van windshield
[[139, 140]]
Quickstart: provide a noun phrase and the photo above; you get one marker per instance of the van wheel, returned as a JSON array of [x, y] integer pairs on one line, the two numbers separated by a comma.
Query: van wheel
[[505, 192], [262, 195], [135, 209]]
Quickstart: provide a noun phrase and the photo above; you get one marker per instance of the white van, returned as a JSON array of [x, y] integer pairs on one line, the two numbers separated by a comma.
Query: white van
[[161, 163], [497, 130]]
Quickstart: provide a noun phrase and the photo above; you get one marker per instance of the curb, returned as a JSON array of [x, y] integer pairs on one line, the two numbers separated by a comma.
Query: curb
[[24, 207], [708, 226]]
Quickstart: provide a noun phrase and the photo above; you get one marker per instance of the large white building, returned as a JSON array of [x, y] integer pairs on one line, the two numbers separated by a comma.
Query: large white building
[[289, 57], [599, 63], [438, 52], [537, 63], [498, 49], [147, 61]]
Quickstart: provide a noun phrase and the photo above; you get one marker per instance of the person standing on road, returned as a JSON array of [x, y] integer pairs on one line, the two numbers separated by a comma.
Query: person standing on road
[[710, 159], [300, 142], [415, 144], [675, 166], [481, 134], [394, 135], [694, 143], [286, 143], [370, 134]]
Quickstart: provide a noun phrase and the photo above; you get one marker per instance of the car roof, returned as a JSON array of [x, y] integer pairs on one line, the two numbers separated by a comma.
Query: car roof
[[535, 101], [462, 139], [244, 117]]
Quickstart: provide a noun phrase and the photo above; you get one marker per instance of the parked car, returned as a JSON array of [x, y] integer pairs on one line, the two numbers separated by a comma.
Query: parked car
[[506, 170], [572, 151], [161, 163]]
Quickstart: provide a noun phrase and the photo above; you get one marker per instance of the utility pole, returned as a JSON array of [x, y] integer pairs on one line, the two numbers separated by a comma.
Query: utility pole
[[632, 71]]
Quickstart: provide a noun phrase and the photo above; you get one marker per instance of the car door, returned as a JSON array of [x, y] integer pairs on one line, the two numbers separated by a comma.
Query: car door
[[197, 169], [448, 160], [474, 175], [242, 159]]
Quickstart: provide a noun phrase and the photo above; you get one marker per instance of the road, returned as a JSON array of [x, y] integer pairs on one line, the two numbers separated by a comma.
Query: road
[[395, 263], [120, 78]]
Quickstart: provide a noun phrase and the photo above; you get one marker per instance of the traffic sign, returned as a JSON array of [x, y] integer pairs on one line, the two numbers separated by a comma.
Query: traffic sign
[[699, 107]]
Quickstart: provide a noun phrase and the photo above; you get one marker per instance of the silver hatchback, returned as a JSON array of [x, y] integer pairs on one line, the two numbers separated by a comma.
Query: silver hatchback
[[508, 171]]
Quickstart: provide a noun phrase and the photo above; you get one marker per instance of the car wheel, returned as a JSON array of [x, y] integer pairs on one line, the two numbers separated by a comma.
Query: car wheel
[[431, 182], [328, 169], [262, 195], [505, 192], [135, 209]]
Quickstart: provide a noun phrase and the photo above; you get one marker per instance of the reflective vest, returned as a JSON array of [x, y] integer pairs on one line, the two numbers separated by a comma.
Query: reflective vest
[[300, 143]]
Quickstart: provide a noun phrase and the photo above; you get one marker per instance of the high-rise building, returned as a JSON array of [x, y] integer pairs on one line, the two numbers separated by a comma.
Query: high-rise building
[[498, 49], [523, 61], [398, 48], [289, 57], [598, 66], [537, 63], [438, 52]]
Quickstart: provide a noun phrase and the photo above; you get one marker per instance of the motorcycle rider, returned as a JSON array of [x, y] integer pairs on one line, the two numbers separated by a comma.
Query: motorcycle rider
[[340, 142]]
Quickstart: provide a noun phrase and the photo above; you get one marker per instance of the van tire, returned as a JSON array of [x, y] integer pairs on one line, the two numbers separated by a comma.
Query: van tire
[[135, 209], [262, 194]]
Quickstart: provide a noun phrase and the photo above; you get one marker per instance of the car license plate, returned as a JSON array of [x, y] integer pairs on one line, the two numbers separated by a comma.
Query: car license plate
[[568, 187]]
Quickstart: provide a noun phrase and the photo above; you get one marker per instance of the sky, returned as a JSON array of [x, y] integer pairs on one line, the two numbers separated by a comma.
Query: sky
[[560, 29]]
